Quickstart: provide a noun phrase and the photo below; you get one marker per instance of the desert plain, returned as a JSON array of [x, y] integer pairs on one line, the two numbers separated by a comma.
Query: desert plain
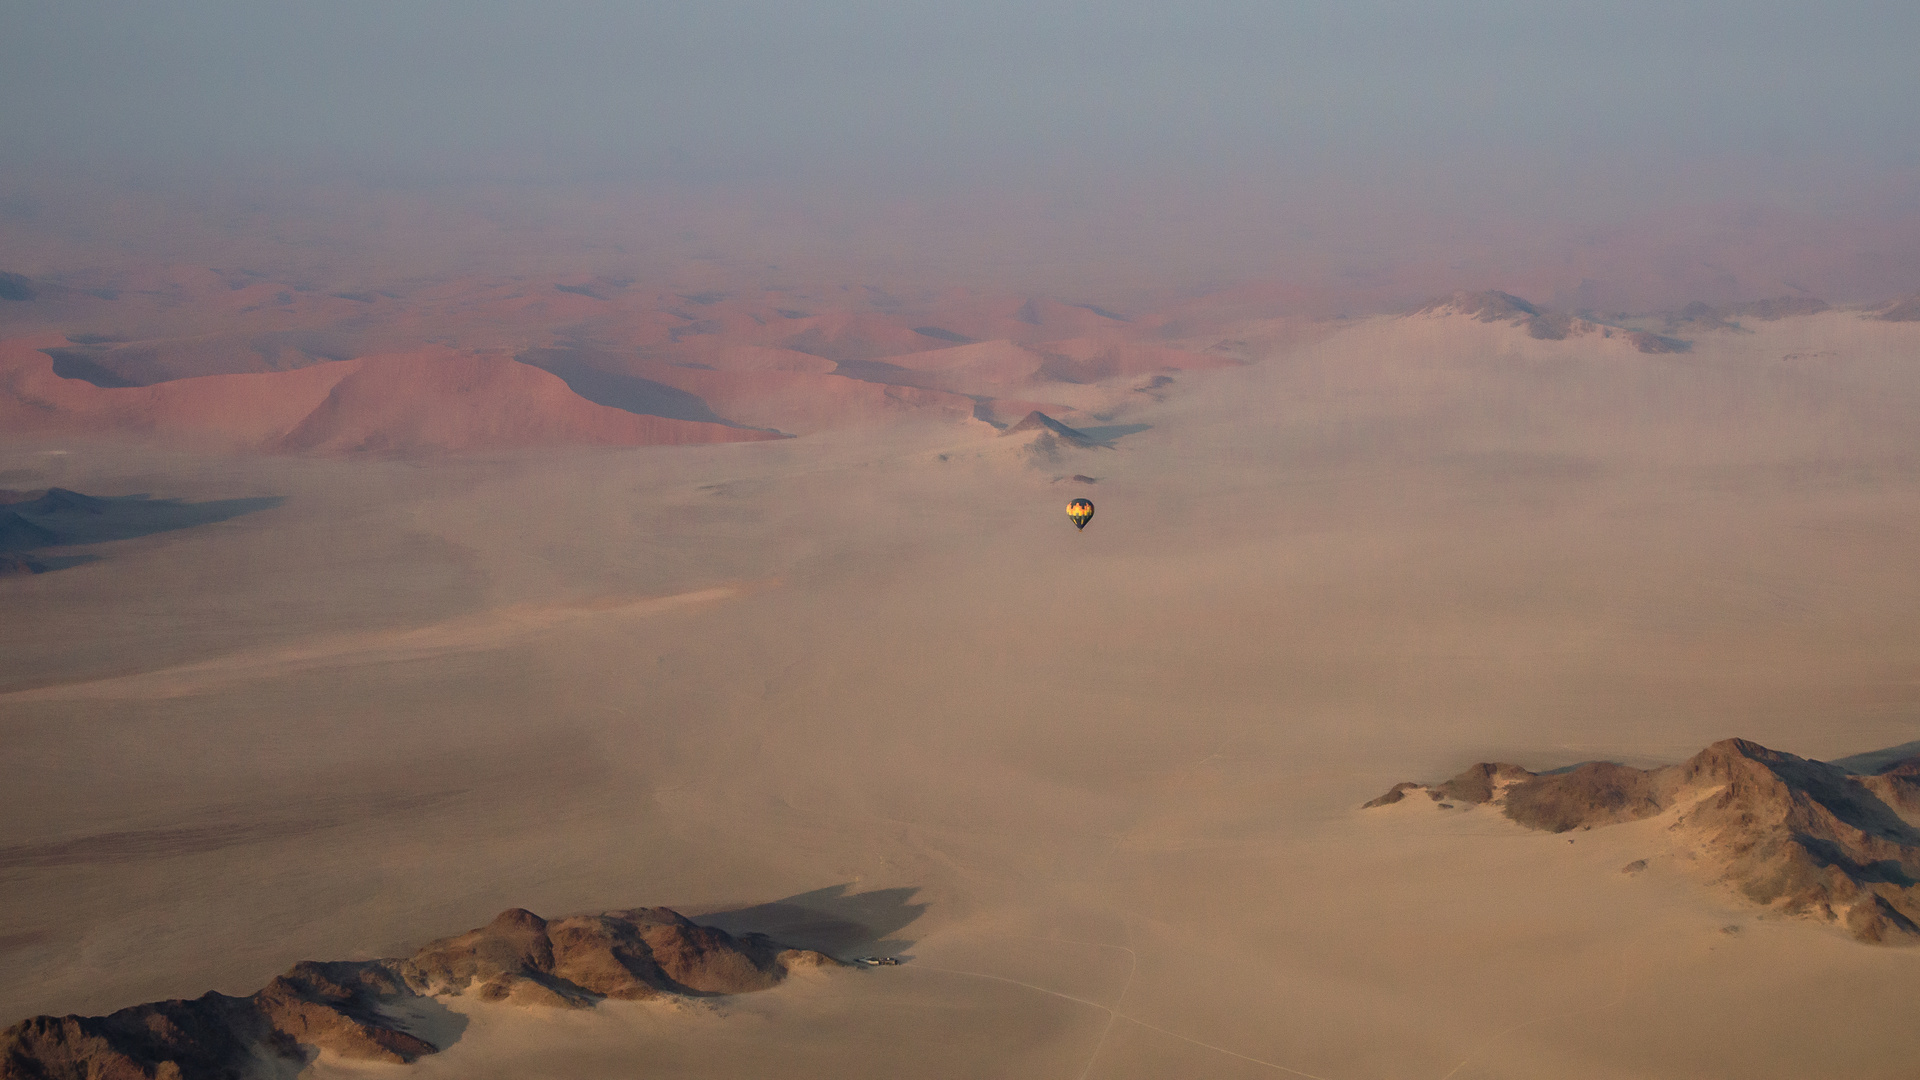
[[836, 668]]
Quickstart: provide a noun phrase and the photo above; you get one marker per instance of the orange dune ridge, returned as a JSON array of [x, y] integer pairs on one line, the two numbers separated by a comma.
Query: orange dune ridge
[[244, 360], [428, 399]]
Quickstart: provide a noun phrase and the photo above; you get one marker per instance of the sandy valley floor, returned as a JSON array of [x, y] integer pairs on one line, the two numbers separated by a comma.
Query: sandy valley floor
[[870, 691]]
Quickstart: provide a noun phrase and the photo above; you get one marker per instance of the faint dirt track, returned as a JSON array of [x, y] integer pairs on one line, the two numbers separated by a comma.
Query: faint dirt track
[[467, 633]]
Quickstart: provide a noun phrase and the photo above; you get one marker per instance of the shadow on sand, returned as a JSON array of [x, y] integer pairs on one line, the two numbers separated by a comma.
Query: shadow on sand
[[594, 376], [832, 920], [31, 522], [590, 376], [1108, 432]]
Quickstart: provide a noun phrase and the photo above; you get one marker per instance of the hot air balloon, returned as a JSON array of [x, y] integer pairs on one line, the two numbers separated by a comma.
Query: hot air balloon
[[1081, 511]]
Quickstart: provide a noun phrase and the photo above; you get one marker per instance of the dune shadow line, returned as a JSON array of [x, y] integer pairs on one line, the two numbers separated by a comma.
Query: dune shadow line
[[1109, 432], [617, 390], [80, 365], [593, 376]]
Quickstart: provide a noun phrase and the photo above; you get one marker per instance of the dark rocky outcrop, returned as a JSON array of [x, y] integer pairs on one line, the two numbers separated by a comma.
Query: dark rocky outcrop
[[1544, 325], [1598, 792], [576, 961], [31, 521], [19, 534], [213, 1037], [1649, 342], [1907, 310], [1550, 326], [1803, 837], [63, 502], [1039, 421], [357, 1009], [1491, 305], [1779, 307], [1701, 316], [1043, 440], [1477, 784], [18, 565]]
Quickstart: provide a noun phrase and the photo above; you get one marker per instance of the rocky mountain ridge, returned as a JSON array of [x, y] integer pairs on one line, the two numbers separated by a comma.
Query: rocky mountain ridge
[[1806, 838], [368, 1010]]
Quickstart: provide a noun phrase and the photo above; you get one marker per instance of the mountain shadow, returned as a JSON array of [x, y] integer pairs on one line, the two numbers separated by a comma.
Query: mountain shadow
[[33, 521], [832, 920]]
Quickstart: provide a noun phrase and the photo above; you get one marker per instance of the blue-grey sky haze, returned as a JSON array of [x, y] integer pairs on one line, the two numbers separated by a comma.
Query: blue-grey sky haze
[[1595, 111], [759, 85]]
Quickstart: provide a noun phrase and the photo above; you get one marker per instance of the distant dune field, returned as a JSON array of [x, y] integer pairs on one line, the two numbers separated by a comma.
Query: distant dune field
[[567, 594]]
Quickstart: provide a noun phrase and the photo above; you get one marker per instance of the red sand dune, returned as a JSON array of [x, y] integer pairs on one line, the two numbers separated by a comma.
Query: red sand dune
[[787, 361], [442, 400], [982, 367], [212, 411], [850, 335], [429, 399]]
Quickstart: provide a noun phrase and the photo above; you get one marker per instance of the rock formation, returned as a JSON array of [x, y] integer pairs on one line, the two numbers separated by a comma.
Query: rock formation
[[1041, 422], [1496, 306], [17, 565], [1702, 316], [1907, 310], [355, 1009], [19, 534], [1803, 837], [575, 962], [1040, 439]]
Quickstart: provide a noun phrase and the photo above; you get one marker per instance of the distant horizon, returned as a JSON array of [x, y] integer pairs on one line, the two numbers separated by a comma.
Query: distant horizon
[[1120, 247], [1626, 155]]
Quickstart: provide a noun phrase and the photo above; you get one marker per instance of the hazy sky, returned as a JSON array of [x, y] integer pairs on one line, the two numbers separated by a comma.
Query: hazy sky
[[1589, 110], [760, 84]]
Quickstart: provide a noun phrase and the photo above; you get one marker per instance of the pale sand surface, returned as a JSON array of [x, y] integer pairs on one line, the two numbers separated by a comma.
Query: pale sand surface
[[1099, 788]]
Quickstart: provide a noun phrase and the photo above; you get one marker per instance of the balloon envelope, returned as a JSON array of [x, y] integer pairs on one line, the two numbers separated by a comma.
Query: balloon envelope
[[1081, 511]]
